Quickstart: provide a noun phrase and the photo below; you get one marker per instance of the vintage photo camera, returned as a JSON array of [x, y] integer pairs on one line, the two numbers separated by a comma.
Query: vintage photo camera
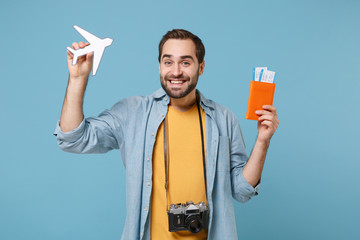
[[189, 216]]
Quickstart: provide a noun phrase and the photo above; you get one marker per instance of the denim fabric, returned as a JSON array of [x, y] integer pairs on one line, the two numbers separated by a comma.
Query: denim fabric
[[131, 125]]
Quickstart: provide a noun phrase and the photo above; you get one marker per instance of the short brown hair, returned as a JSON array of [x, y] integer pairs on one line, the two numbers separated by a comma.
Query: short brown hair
[[183, 35]]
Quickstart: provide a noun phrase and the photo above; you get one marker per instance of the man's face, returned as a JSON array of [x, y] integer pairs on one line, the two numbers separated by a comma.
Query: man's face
[[179, 67]]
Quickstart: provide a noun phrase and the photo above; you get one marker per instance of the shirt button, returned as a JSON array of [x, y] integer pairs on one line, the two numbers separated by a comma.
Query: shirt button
[[141, 234], [148, 183], [145, 208], [166, 98], [148, 159], [153, 134], [162, 115]]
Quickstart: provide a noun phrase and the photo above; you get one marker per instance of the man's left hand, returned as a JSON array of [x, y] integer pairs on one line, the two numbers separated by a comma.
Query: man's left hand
[[267, 123]]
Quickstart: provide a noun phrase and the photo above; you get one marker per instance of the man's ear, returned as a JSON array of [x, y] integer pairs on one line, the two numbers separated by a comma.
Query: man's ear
[[201, 68]]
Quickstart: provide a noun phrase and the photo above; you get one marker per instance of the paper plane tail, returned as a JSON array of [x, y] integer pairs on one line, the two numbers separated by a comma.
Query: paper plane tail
[[75, 57]]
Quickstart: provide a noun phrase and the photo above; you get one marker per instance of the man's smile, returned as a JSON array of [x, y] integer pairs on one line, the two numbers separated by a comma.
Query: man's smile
[[176, 81]]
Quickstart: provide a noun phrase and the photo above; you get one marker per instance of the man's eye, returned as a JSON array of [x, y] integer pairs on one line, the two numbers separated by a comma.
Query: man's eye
[[167, 63], [186, 63]]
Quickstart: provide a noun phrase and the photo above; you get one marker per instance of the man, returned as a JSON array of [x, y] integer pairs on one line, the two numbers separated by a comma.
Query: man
[[174, 137]]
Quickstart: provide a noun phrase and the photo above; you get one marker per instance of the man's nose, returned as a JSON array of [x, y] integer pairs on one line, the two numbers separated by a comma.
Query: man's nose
[[177, 70]]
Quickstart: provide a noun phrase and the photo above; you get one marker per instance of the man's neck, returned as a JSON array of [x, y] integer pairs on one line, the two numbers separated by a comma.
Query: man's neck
[[185, 103]]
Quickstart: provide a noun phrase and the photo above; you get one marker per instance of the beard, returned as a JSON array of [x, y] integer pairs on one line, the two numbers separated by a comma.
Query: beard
[[177, 92]]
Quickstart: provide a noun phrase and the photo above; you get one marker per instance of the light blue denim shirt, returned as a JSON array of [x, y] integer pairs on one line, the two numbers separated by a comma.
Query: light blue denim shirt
[[131, 126]]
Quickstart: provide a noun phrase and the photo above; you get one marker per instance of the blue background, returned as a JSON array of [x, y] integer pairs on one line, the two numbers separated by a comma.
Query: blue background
[[310, 187]]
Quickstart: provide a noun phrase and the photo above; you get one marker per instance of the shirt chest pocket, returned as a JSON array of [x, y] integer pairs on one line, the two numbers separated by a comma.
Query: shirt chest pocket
[[223, 160]]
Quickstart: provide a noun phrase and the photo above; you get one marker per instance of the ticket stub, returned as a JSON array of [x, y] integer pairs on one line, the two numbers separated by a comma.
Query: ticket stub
[[257, 72], [267, 76]]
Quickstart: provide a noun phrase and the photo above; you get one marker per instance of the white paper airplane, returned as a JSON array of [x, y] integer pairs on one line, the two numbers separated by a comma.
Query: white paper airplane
[[97, 46]]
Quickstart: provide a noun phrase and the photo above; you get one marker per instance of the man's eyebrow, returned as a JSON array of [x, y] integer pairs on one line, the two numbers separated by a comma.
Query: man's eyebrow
[[182, 57], [166, 56], [187, 56]]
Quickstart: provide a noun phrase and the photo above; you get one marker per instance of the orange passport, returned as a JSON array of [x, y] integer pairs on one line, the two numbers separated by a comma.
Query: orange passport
[[261, 93]]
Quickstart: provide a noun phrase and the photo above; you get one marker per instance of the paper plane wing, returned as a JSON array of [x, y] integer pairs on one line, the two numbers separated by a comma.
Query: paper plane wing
[[88, 36], [97, 58]]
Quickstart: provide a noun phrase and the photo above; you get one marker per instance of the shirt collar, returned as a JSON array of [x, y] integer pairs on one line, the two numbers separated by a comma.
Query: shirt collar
[[160, 93]]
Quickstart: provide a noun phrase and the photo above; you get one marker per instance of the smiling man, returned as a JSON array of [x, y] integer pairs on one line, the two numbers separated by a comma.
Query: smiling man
[[180, 70], [177, 147]]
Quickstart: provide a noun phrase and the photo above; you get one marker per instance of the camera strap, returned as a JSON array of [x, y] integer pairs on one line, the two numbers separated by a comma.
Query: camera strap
[[167, 157]]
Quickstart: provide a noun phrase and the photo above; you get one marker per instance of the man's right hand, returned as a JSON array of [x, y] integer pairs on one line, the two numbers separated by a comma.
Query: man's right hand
[[82, 68], [72, 110]]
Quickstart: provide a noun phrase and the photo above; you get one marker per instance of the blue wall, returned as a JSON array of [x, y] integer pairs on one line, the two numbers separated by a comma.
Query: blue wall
[[310, 187]]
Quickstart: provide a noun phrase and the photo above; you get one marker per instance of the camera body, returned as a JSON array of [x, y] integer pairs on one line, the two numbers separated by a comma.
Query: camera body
[[189, 216]]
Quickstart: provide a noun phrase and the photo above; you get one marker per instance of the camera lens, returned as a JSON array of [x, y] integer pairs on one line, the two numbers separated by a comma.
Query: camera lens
[[193, 224]]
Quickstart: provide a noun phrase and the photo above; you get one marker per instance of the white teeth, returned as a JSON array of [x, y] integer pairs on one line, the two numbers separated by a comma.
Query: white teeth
[[176, 82]]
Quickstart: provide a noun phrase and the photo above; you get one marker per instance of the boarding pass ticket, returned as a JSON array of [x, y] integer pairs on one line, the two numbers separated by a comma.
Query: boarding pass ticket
[[262, 74]]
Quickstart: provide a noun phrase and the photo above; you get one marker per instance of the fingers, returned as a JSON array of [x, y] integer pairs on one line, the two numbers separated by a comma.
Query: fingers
[[69, 54], [268, 114], [76, 45], [265, 123], [89, 58], [270, 117], [268, 109], [269, 124], [269, 120]]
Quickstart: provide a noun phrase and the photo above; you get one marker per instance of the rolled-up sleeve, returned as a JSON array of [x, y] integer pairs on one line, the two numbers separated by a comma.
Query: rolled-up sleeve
[[242, 191], [93, 135]]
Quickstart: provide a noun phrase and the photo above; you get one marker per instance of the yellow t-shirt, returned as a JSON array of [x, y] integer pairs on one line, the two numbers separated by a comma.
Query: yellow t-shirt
[[186, 174]]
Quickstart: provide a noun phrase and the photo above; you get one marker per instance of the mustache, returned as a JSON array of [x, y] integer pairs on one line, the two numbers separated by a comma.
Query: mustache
[[182, 76]]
